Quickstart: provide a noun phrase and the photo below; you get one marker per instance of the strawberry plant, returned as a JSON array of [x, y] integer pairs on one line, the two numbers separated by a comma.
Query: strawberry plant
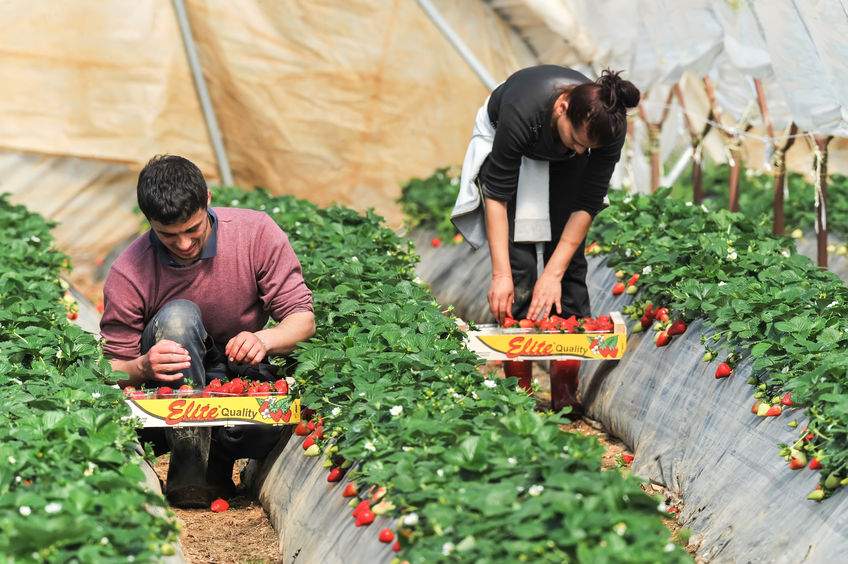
[[70, 482], [485, 476], [427, 203], [758, 296]]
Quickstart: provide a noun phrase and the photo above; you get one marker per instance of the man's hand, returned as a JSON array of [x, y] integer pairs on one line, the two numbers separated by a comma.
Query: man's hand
[[246, 348], [546, 293], [501, 296], [164, 360]]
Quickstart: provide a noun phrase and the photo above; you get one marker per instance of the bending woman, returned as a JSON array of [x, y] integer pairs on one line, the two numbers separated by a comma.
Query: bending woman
[[536, 173]]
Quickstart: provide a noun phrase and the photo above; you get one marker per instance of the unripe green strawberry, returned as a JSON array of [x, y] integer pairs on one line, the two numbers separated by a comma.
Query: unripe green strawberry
[[816, 495], [763, 409], [637, 327], [314, 450], [708, 356], [630, 290], [619, 274], [327, 463], [832, 481], [793, 423]]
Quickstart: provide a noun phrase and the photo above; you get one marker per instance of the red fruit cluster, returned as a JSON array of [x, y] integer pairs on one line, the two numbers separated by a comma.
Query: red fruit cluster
[[219, 505], [555, 323], [215, 388], [363, 514]]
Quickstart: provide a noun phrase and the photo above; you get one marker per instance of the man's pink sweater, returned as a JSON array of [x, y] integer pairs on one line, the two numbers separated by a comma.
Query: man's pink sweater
[[253, 275]]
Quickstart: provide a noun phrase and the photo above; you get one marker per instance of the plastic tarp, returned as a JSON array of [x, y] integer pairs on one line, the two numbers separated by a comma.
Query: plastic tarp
[[326, 100], [689, 432]]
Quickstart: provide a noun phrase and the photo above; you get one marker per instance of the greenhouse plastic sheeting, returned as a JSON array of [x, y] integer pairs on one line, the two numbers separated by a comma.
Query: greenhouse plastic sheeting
[[312, 519], [808, 246], [688, 431]]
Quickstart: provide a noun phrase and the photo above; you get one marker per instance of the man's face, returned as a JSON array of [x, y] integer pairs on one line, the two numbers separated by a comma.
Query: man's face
[[185, 241]]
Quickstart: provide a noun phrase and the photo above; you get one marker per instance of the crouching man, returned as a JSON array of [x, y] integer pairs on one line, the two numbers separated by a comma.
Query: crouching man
[[188, 302]]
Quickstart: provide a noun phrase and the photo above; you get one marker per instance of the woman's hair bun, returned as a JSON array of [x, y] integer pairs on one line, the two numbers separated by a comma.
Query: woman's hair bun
[[616, 93]]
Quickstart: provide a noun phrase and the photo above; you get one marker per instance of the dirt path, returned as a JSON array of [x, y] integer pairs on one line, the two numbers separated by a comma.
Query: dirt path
[[242, 534]]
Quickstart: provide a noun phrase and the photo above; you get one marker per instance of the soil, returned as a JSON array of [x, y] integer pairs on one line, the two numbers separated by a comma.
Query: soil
[[242, 534]]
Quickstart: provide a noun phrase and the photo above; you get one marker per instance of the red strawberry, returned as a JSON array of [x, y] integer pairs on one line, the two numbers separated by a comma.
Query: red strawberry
[[185, 389], [633, 279], [364, 505], [219, 505], [795, 463], [617, 289], [815, 464], [128, 390], [436, 242], [661, 314], [662, 339], [72, 315], [756, 407], [627, 458], [774, 411], [139, 394], [787, 400], [649, 311], [396, 546], [646, 321], [366, 517], [287, 416], [809, 437], [335, 474], [281, 386], [164, 392], [237, 386], [386, 536], [311, 425], [301, 429], [677, 328], [509, 322], [378, 494], [723, 370], [526, 324], [100, 307], [265, 405], [350, 490], [308, 442], [215, 383], [457, 239]]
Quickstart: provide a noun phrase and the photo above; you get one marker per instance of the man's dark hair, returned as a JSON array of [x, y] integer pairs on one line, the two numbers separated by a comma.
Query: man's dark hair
[[602, 107], [171, 189]]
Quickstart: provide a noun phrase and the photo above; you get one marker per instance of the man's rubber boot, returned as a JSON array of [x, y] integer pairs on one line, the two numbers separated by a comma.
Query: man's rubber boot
[[219, 474], [521, 369], [564, 382], [186, 485]]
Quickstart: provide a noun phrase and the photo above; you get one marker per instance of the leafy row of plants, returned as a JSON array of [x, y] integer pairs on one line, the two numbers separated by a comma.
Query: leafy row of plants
[[70, 482], [473, 472], [758, 297], [756, 193], [427, 203]]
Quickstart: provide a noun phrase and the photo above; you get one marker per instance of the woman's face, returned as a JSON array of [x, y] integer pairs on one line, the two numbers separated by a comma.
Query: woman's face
[[574, 139]]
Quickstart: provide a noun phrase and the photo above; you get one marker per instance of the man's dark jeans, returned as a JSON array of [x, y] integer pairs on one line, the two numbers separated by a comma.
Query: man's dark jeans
[[202, 456]]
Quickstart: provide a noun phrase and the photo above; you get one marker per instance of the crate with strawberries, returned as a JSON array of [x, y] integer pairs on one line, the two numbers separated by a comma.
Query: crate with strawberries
[[553, 338], [236, 401]]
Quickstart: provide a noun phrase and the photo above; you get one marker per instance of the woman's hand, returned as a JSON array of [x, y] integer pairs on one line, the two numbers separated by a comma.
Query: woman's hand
[[546, 293], [501, 296]]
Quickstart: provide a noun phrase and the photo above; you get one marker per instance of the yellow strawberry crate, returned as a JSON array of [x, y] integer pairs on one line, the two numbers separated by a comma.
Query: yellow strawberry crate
[[492, 342], [271, 409]]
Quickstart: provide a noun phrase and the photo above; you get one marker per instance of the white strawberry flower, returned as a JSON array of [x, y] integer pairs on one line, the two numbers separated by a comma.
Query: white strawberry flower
[[336, 411], [704, 208], [474, 395], [447, 548], [669, 547], [620, 529], [104, 541], [689, 204], [234, 202], [275, 210], [18, 479], [410, 520], [511, 461], [832, 304], [519, 489], [369, 446], [785, 253], [25, 510], [53, 507], [440, 473], [647, 270], [35, 239], [290, 381], [731, 255], [662, 507], [628, 253], [354, 258], [12, 459], [627, 199], [536, 489], [489, 383], [96, 395], [396, 410], [89, 469], [721, 283], [454, 181]]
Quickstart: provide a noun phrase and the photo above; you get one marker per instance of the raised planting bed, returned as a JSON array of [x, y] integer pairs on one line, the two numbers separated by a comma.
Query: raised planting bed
[[468, 469], [71, 484]]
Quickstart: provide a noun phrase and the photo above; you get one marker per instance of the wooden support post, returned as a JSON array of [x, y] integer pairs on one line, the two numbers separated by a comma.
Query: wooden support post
[[734, 153], [779, 166], [696, 137], [654, 130], [821, 198], [778, 161]]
